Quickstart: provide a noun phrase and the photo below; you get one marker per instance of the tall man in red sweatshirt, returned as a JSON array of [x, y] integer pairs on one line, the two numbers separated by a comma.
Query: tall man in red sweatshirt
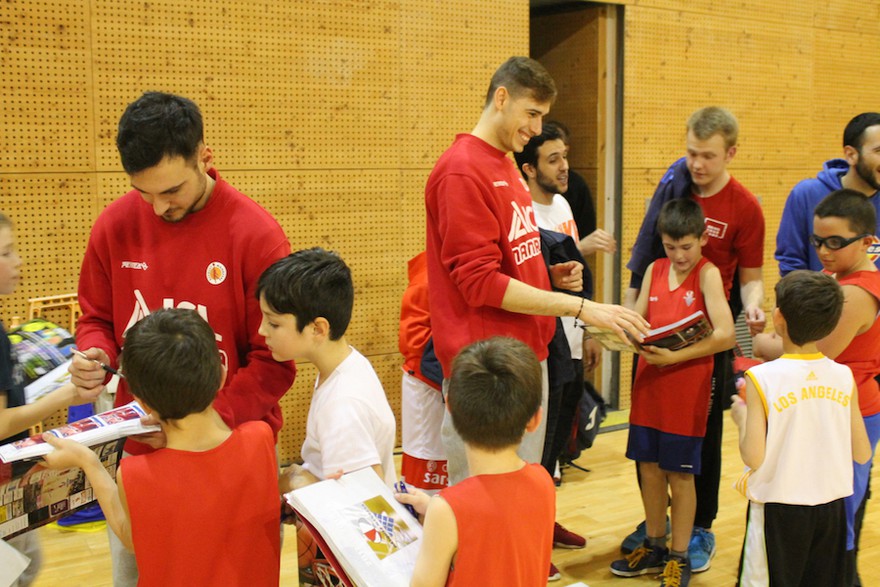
[[182, 238], [486, 275]]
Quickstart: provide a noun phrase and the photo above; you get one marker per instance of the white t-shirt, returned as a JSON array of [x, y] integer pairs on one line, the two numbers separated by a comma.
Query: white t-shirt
[[350, 424], [808, 455], [557, 216]]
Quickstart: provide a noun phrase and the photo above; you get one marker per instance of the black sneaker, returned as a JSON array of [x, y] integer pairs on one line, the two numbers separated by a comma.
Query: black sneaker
[[641, 561]]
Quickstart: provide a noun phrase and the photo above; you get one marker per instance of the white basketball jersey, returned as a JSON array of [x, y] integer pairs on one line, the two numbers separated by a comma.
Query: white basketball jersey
[[808, 456]]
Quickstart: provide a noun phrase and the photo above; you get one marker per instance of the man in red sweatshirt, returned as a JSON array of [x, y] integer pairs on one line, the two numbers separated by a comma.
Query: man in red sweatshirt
[[182, 238], [486, 275]]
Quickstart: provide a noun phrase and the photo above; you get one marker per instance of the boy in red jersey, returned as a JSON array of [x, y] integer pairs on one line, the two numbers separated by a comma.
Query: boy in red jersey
[[494, 397], [196, 484], [672, 390]]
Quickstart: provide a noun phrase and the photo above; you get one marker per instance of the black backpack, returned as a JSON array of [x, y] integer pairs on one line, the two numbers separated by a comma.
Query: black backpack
[[591, 412]]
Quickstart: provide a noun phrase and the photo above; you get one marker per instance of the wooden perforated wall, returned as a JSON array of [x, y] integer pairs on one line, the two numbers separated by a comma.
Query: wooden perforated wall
[[329, 113], [567, 43], [789, 70]]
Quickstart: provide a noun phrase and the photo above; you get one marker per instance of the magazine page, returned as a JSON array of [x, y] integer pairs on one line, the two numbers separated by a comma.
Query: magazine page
[[374, 538], [47, 383], [116, 423], [36, 496], [611, 341]]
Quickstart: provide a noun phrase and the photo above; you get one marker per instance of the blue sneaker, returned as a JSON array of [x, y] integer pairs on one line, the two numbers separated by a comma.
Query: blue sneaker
[[638, 537], [641, 561], [701, 549]]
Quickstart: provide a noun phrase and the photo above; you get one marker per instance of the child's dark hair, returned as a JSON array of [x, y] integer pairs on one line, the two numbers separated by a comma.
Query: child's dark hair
[[852, 206], [172, 362], [494, 390], [681, 217], [309, 284], [811, 303], [157, 125]]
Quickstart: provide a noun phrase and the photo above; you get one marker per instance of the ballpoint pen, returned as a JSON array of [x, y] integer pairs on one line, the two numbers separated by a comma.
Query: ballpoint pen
[[106, 368]]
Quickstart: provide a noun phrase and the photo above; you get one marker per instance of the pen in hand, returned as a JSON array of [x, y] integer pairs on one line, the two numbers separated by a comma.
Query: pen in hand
[[106, 368], [400, 486]]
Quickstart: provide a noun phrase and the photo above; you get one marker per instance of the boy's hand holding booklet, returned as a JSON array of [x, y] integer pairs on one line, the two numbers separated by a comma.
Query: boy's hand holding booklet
[[31, 496], [111, 425], [361, 528], [675, 336]]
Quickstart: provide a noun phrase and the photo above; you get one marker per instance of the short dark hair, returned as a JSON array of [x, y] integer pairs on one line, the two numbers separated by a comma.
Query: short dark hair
[[711, 120], [811, 303], [852, 206], [157, 125], [854, 133], [563, 130], [521, 75], [494, 390], [310, 283], [172, 362], [550, 131], [681, 217]]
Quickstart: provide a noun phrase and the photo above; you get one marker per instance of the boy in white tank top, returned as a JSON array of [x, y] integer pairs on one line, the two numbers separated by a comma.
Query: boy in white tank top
[[800, 429]]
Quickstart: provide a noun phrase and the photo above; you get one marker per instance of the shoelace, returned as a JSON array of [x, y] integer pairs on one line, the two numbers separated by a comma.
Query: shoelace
[[633, 559], [672, 573]]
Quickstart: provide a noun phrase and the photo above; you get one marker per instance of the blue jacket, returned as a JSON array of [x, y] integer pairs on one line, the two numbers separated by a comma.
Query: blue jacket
[[675, 183], [793, 249]]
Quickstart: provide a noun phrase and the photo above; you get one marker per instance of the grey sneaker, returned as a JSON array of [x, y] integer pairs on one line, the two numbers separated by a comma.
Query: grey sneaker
[[638, 537], [701, 549], [641, 561]]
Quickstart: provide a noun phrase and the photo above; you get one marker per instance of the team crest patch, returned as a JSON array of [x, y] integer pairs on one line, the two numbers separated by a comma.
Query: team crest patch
[[216, 273]]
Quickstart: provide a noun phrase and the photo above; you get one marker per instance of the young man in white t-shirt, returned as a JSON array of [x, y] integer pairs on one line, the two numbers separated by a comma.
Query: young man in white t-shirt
[[306, 299]]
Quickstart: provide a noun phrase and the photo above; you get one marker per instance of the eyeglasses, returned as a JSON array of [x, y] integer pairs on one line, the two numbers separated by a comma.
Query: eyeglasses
[[834, 243]]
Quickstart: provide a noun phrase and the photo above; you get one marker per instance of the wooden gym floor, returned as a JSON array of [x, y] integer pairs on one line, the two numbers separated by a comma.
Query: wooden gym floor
[[603, 505]]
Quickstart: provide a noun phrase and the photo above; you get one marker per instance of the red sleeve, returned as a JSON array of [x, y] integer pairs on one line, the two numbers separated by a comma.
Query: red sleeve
[[470, 237], [415, 321], [95, 295], [254, 390]]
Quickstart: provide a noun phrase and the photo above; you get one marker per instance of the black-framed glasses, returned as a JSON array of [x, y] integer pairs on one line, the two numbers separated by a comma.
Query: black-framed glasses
[[834, 243]]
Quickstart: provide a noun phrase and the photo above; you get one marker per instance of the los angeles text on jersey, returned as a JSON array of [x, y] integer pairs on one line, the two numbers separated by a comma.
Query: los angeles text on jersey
[[809, 393], [522, 224]]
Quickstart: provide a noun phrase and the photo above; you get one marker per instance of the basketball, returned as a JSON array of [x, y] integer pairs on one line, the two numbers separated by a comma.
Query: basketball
[[306, 546]]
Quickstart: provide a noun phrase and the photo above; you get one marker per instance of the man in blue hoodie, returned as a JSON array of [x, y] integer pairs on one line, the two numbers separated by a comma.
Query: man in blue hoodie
[[858, 170]]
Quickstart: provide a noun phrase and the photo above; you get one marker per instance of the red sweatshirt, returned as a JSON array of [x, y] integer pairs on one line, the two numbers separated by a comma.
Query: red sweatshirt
[[210, 261], [481, 233]]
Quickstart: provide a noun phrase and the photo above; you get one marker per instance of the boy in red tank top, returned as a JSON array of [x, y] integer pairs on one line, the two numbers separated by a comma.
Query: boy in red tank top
[[496, 526], [191, 515], [671, 392]]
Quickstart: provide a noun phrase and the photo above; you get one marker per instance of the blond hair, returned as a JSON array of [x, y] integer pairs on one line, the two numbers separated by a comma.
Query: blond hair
[[711, 120]]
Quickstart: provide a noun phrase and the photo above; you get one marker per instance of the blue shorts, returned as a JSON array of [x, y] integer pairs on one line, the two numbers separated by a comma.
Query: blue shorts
[[672, 452]]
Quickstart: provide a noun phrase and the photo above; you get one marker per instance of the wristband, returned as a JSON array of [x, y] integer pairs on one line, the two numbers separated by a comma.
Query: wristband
[[581, 309]]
